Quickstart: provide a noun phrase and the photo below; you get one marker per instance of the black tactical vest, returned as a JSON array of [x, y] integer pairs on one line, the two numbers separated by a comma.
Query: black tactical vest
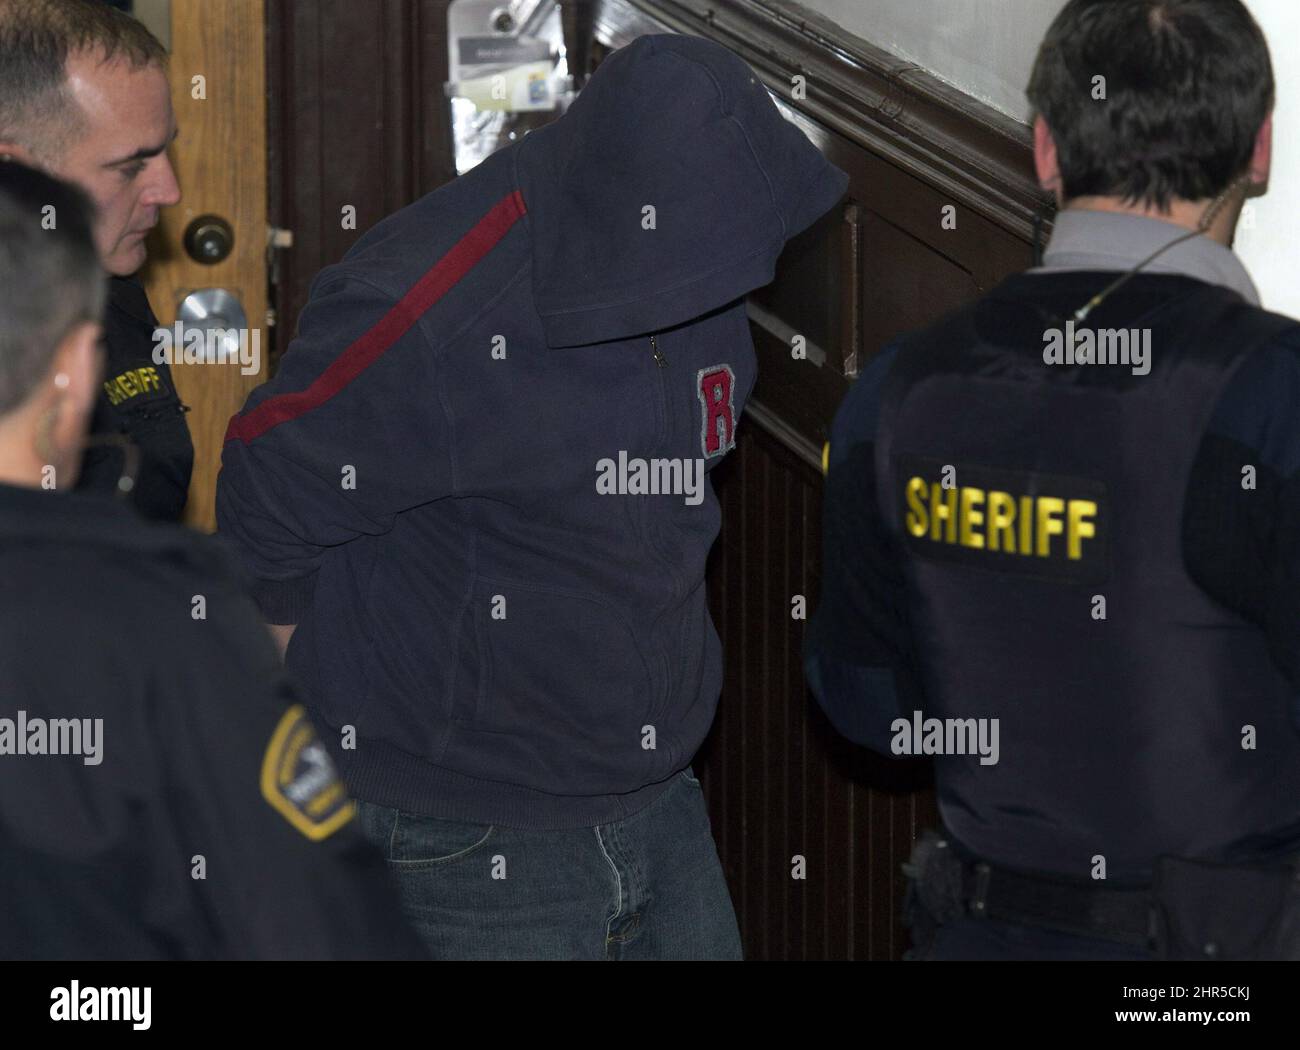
[[1023, 495]]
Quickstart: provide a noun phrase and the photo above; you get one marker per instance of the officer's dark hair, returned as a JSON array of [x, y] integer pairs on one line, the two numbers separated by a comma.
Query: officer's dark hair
[[50, 280], [36, 38], [1188, 85]]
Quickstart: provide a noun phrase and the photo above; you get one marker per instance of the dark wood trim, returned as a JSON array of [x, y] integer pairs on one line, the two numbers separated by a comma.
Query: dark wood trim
[[892, 107], [781, 431], [851, 263], [356, 115]]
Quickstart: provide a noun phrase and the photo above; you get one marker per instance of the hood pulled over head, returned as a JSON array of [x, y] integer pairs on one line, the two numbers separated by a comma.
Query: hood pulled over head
[[666, 191]]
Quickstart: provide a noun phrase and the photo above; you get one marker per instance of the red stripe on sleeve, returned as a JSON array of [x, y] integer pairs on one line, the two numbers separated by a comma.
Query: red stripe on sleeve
[[444, 275]]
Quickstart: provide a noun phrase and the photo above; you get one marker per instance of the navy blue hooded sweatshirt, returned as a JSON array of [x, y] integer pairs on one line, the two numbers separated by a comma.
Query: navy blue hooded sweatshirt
[[454, 484]]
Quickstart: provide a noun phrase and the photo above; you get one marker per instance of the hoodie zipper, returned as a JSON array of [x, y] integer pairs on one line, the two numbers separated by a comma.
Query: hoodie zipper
[[660, 360], [661, 705]]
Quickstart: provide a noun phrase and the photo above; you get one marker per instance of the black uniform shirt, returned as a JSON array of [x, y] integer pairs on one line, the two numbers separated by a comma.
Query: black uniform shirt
[[162, 794], [139, 400]]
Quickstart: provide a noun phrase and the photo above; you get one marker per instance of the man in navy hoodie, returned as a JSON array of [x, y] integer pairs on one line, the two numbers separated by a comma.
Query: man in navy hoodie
[[478, 487]]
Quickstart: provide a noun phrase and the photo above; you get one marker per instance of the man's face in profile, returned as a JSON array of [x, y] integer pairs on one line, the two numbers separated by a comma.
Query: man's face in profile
[[120, 157]]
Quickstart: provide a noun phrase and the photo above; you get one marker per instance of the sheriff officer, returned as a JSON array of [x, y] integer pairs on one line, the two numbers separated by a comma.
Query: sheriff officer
[[83, 95], [1098, 559]]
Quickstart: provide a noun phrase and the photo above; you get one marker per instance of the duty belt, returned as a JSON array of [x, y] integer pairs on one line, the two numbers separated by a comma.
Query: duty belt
[[950, 886], [1114, 914]]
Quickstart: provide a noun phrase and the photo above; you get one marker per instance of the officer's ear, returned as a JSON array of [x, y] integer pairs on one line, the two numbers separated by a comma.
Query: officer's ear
[[1261, 161], [1045, 159], [75, 375]]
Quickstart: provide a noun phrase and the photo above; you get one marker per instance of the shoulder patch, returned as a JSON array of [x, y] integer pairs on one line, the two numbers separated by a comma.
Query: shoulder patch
[[299, 779]]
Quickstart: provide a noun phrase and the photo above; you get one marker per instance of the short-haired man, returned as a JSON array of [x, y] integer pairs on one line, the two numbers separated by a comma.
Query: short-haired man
[[84, 95], [1061, 531]]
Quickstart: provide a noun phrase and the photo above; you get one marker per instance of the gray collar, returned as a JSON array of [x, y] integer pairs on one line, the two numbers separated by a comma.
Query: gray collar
[[1100, 240]]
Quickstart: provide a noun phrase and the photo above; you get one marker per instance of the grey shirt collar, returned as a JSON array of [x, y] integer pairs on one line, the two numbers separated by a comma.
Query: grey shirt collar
[[1099, 240]]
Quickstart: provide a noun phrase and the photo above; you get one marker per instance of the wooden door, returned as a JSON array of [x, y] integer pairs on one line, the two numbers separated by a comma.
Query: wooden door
[[218, 79]]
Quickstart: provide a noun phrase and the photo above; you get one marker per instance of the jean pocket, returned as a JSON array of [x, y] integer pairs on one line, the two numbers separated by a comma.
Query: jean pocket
[[688, 775], [419, 840]]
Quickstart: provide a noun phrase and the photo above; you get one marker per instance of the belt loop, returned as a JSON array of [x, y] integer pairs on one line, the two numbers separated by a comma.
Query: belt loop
[[980, 895]]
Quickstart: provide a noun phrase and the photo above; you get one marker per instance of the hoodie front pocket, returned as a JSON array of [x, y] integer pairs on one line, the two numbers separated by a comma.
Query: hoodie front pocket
[[563, 669]]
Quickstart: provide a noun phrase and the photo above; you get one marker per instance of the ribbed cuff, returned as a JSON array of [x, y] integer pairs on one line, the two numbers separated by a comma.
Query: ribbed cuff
[[284, 601]]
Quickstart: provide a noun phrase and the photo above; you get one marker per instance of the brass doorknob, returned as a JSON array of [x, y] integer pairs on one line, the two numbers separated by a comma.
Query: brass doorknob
[[209, 239]]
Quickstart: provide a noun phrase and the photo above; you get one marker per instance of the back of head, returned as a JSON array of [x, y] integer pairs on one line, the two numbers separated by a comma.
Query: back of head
[[1153, 100], [36, 39], [50, 280]]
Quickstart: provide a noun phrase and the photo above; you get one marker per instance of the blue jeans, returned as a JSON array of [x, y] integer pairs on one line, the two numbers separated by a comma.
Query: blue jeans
[[647, 887]]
